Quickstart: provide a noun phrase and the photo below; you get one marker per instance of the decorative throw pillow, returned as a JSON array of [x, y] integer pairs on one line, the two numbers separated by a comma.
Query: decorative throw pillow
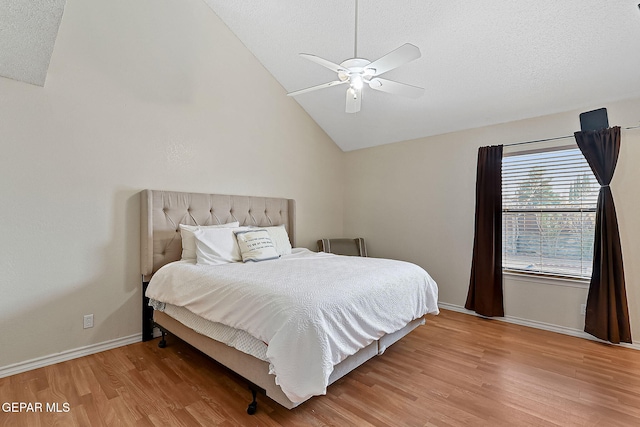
[[215, 246], [256, 245], [280, 238], [189, 241]]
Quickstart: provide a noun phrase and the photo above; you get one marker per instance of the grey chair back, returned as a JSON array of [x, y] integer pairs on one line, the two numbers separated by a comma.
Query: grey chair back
[[353, 247]]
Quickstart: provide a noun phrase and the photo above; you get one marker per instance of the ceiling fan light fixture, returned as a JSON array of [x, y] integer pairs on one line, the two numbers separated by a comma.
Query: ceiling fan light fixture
[[356, 81]]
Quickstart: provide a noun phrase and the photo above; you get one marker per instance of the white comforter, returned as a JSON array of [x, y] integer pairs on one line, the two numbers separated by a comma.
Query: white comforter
[[312, 309]]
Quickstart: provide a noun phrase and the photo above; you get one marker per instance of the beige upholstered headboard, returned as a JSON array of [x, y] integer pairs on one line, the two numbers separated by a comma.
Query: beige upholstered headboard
[[163, 211]]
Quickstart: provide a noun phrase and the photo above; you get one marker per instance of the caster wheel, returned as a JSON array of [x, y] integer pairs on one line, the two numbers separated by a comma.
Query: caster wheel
[[162, 344], [252, 408]]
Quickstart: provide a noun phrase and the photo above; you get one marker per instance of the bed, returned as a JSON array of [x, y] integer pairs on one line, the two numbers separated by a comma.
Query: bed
[[162, 212]]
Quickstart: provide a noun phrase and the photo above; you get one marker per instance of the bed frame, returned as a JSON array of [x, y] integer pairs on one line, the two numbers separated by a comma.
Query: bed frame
[[161, 214]]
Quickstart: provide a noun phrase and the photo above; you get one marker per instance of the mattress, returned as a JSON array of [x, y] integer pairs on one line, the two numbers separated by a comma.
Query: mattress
[[232, 337]]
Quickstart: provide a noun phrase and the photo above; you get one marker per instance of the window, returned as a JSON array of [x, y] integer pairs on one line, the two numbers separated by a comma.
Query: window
[[548, 213]]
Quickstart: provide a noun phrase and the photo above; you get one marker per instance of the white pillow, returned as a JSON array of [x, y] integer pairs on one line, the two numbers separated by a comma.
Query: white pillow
[[189, 241], [280, 238], [256, 245], [215, 246]]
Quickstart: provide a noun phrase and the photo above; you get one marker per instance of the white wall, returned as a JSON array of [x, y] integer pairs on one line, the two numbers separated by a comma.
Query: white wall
[[145, 94], [415, 201]]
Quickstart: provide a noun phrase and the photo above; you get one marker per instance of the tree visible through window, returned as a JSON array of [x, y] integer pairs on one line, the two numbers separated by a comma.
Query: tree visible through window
[[548, 213]]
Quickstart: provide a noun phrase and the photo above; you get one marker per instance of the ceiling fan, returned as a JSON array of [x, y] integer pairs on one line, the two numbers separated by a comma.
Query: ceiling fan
[[356, 72]]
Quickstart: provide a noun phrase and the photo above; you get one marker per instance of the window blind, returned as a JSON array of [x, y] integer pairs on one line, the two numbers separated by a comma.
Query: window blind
[[548, 213]]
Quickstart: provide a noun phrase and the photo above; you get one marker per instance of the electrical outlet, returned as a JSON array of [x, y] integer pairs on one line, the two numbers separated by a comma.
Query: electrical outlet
[[87, 321], [583, 309]]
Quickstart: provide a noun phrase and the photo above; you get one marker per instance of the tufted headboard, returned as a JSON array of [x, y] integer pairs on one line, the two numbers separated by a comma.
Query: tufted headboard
[[162, 212]]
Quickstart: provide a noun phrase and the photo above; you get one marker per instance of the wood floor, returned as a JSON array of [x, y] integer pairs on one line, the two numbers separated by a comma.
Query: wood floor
[[457, 370]]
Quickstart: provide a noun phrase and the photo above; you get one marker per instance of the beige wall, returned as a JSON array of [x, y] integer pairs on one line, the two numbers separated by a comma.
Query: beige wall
[[144, 94], [415, 201]]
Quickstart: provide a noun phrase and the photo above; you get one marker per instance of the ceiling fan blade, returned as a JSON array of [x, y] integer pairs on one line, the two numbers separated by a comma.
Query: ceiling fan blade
[[312, 88], [390, 86], [327, 64], [405, 53], [354, 100]]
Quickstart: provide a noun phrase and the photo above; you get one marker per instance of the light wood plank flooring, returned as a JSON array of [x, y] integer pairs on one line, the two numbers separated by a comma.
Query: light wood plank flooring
[[457, 370]]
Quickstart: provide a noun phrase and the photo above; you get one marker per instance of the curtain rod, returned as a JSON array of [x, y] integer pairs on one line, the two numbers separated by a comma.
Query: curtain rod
[[553, 139]]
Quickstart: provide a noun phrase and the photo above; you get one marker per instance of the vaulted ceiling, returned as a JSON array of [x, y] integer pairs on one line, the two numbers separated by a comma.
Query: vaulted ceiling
[[28, 31], [483, 62]]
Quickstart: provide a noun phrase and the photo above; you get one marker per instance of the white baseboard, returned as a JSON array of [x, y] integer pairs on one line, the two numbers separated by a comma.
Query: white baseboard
[[51, 359], [536, 324]]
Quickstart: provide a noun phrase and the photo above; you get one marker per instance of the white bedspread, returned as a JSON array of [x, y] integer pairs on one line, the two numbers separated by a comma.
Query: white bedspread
[[312, 309]]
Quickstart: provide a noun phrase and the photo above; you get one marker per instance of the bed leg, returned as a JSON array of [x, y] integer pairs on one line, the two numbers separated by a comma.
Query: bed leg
[[253, 406], [163, 342]]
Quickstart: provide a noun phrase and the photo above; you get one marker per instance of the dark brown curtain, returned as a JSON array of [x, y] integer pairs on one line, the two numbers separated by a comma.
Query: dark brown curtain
[[485, 287], [607, 314]]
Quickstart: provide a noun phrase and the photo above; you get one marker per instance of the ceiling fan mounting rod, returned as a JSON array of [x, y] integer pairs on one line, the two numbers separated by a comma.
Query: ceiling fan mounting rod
[[355, 44]]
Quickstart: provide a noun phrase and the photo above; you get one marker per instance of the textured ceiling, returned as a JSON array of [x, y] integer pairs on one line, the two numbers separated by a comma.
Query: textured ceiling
[[28, 31], [483, 62]]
